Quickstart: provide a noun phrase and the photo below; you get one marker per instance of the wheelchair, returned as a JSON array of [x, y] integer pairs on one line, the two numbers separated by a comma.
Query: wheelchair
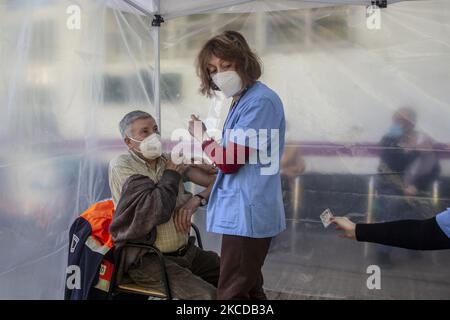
[[135, 290]]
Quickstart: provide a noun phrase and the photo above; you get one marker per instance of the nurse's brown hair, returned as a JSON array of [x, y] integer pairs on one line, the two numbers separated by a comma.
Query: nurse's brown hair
[[230, 46]]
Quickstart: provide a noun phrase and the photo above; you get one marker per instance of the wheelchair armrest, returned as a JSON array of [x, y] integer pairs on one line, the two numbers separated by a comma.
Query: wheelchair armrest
[[197, 235]]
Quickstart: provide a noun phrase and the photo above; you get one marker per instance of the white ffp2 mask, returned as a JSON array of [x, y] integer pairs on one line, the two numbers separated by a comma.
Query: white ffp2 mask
[[150, 147], [228, 82]]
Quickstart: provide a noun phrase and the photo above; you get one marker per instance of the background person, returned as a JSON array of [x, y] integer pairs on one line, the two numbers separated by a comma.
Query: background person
[[408, 167]]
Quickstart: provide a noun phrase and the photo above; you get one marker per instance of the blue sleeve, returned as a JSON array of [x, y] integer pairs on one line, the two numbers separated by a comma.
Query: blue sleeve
[[443, 220], [256, 117]]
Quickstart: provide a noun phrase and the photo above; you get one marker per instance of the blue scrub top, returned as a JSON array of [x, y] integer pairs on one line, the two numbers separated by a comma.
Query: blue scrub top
[[443, 220], [249, 202]]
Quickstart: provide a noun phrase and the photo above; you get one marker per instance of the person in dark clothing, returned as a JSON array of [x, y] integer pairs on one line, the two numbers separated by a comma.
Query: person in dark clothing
[[406, 173], [408, 164], [427, 234]]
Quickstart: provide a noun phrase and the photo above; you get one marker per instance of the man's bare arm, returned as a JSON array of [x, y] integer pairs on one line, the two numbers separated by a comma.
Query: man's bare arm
[[199, 176], [205, 193]]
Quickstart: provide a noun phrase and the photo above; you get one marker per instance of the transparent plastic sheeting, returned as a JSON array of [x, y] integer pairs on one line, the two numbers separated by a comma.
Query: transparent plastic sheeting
[[64, 91]]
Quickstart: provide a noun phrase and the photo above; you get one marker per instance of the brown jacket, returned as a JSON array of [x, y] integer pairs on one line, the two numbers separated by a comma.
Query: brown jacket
[[132, 221]]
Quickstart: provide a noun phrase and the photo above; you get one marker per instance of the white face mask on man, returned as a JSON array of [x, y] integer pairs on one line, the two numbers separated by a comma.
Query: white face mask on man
[[228, 82], [150, 147]]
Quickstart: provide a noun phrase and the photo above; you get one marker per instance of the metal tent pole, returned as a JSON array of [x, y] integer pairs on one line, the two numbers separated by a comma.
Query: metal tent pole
[[156, 23]]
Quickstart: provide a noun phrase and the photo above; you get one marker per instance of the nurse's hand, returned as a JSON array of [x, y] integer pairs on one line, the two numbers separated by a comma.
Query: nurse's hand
[[197, 129], [183, 216], [346, 225]]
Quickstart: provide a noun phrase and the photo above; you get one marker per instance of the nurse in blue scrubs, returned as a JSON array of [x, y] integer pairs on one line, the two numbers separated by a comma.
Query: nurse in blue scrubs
[[429, 234], [245, 202]]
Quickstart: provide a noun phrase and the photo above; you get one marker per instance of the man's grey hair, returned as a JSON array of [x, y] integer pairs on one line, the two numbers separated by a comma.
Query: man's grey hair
[[129, 118]]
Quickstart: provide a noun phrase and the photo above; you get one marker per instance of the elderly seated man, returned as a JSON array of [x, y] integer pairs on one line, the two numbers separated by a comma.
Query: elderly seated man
[[148, 193]]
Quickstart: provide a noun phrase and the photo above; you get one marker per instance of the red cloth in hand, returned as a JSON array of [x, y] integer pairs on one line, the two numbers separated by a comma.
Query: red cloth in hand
[[229, 159]]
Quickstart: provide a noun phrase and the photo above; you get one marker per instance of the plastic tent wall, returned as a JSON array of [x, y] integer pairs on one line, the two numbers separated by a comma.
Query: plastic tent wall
[[63, 92]]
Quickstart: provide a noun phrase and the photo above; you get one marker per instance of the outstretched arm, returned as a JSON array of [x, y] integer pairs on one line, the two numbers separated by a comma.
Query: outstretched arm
[[408, 234]]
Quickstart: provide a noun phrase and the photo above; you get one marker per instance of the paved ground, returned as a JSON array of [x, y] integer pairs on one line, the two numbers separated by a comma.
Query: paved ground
[[310, 262], [305, 262]]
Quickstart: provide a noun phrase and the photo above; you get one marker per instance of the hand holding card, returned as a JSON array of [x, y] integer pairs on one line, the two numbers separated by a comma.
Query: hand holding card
[[326, 217]]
